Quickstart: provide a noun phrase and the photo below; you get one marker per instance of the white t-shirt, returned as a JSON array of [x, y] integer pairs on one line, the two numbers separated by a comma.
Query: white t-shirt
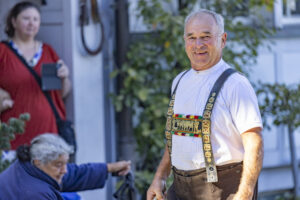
[[235, 111]]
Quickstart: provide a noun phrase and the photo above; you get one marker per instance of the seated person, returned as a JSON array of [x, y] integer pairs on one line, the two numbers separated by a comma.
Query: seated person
[[42, 171]]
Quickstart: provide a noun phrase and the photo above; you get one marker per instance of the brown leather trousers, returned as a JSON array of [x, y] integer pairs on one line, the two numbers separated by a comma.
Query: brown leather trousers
[[192, 185]]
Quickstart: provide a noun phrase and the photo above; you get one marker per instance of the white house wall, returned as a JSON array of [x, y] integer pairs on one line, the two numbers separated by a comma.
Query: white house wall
[[88, 102], [280, 65]]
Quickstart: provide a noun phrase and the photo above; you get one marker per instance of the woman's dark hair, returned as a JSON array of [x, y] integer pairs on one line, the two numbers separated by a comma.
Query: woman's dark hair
[[23, 153], [13, 14]]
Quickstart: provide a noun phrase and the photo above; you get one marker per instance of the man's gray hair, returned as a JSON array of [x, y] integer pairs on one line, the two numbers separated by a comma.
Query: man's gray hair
[[48, 147], [218, 18]]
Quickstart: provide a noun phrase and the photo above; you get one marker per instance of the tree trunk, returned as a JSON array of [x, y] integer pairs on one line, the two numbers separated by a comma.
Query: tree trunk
[[126, 140], [294, 161]]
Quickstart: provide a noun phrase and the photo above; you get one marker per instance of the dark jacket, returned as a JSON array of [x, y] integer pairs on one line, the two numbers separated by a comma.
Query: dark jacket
[[24, 181]]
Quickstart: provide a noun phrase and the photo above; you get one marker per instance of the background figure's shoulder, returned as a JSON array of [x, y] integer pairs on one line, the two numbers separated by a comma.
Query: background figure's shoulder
[[48, 49], [47, 46], [3, 48]]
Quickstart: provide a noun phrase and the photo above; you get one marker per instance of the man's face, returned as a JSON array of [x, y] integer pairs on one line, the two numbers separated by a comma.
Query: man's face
[[203, 42], [55, 169]]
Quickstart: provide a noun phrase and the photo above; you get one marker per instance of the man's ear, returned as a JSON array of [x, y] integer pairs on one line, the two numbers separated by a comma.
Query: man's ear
[[224, 38]]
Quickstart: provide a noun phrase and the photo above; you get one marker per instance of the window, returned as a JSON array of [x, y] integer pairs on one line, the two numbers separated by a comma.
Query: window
[[286, 12], [291, 8]]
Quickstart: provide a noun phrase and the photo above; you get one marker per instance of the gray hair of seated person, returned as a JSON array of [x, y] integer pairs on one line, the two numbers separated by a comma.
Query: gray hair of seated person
[[218, 18], [48, 147]]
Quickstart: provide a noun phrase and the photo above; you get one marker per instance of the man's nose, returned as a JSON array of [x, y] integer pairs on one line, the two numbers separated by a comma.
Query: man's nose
[[199, 42]]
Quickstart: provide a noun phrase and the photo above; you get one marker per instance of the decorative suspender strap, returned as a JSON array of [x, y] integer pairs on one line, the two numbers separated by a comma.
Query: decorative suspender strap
[[170, 113], [210, 165]]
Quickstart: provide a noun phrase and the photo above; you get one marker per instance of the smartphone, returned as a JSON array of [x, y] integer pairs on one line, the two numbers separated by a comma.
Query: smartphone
[[50, 80]]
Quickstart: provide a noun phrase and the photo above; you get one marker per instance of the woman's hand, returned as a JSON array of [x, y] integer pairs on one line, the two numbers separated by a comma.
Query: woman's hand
[[63, 71], [121, 167], [5, 100]]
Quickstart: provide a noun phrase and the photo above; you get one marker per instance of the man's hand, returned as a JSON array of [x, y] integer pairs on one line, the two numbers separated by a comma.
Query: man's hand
[[121, 167], [158, 187], [5, 100], [157, 190]]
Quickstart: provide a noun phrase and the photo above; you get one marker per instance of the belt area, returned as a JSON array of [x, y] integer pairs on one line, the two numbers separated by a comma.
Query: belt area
[[190, 173]]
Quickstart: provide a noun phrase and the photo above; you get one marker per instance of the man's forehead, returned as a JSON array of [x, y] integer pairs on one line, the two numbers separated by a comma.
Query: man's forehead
[[202, 23], [205, 17]]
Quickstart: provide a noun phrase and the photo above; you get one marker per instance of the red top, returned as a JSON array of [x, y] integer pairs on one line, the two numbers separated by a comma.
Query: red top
[[27, 95]]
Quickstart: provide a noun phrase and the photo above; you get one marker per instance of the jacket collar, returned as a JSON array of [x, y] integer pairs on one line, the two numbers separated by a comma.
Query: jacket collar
[[39, 174]]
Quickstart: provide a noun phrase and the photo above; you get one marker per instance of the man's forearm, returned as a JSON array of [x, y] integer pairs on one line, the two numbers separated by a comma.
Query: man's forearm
[[252, 164], [164, 167], [157, 188]]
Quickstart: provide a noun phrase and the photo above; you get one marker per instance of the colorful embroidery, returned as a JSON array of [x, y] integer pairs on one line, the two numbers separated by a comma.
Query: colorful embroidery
[[186, 125]]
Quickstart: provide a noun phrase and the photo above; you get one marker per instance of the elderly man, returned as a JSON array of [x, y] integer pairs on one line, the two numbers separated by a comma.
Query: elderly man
[[42, 171], [220, 156]]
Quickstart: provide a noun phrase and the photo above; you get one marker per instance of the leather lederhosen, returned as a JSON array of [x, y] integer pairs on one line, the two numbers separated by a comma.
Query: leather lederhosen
[[192, 185]]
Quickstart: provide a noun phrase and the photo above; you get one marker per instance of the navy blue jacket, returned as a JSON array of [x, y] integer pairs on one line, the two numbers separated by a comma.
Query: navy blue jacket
[[24, 181]]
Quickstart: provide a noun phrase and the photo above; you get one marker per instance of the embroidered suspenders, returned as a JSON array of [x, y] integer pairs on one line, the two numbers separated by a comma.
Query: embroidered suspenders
[[175, 125], [170, 113]]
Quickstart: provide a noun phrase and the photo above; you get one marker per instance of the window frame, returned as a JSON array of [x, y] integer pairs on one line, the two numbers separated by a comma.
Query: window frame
[[281, 20]]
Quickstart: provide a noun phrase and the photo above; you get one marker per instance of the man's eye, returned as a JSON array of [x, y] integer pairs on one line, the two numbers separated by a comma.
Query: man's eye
[[192, 38], [206, 38]]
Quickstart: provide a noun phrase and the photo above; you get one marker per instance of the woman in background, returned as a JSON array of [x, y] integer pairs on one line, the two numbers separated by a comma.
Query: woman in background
[[19, 91]]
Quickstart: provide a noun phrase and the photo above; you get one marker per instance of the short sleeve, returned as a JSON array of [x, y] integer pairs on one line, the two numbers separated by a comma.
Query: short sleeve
[[244, 105]]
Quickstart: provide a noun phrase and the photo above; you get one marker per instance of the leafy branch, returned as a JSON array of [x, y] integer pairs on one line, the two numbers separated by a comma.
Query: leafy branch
[[7, 133]]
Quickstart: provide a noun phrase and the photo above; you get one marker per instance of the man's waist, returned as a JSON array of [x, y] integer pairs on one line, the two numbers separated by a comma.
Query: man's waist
[[189, 173], [198, 163]]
